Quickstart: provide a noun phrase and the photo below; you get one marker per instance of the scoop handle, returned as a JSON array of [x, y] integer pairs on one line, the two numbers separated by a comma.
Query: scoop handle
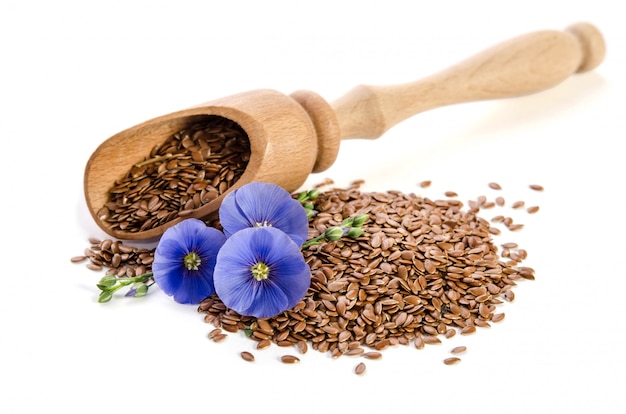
[[523, 65]]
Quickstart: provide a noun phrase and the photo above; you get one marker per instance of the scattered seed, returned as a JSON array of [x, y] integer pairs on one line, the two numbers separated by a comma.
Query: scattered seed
[[532, 209], [219, 337], [497, 317], [425, 184], [495, 186], [451, 360], [458, 349], [451, 194], [77, 259], [500, 201], [214, 333], [372, 355], [247, 356], [536, 187], [421, 270], [518, 204], [264, 343], [289, 359], [360, 368], [468, 330]]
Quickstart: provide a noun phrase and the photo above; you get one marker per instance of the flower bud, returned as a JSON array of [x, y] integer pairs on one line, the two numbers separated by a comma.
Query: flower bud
[[333, 233], [359, 220], [354, 232], [141, 290], [347, 222], [313, 194]]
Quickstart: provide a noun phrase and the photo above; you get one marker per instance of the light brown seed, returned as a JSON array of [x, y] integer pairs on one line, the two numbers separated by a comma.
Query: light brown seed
[[532, 209], [214, 333], [536, 187], [425, 183], [495, 186], [289, 359], [497, 317], [264, 343], [302, 347], [518, 204], [247, 356], [451, 194], [360, 368], [468, 330], [219, 337], [458, 349], [452, 360], [372, 355]]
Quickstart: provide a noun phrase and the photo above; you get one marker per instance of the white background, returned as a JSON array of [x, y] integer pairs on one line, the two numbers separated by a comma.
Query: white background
[[72, 74]]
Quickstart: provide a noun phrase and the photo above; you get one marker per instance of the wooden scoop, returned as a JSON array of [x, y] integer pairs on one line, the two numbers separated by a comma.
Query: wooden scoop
[[293, 136]]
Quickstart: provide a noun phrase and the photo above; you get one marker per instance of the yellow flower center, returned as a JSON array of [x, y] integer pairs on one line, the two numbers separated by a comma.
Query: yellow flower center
[[260, 271], [192, 261]]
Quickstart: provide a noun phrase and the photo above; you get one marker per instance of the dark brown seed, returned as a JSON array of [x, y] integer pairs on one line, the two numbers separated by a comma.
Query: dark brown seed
[[289, 359], [247, 356], [360, 368], [451, 360]]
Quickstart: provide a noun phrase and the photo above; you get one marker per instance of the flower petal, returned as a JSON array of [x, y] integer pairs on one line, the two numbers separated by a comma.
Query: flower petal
[[170, 272], [258, 204], [288, 280]]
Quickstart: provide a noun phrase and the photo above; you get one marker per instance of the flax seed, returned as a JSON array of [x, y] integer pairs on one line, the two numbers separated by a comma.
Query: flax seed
[[247, 356], [360, 368], [452, 360], [458, 349], [289, 359]]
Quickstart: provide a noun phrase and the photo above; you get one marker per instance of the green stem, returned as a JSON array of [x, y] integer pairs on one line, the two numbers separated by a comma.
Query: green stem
[[314, 241]]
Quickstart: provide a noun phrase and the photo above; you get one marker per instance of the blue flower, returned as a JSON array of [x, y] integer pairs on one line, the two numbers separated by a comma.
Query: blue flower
[[264, 205], [184, 260], [261, 272]]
